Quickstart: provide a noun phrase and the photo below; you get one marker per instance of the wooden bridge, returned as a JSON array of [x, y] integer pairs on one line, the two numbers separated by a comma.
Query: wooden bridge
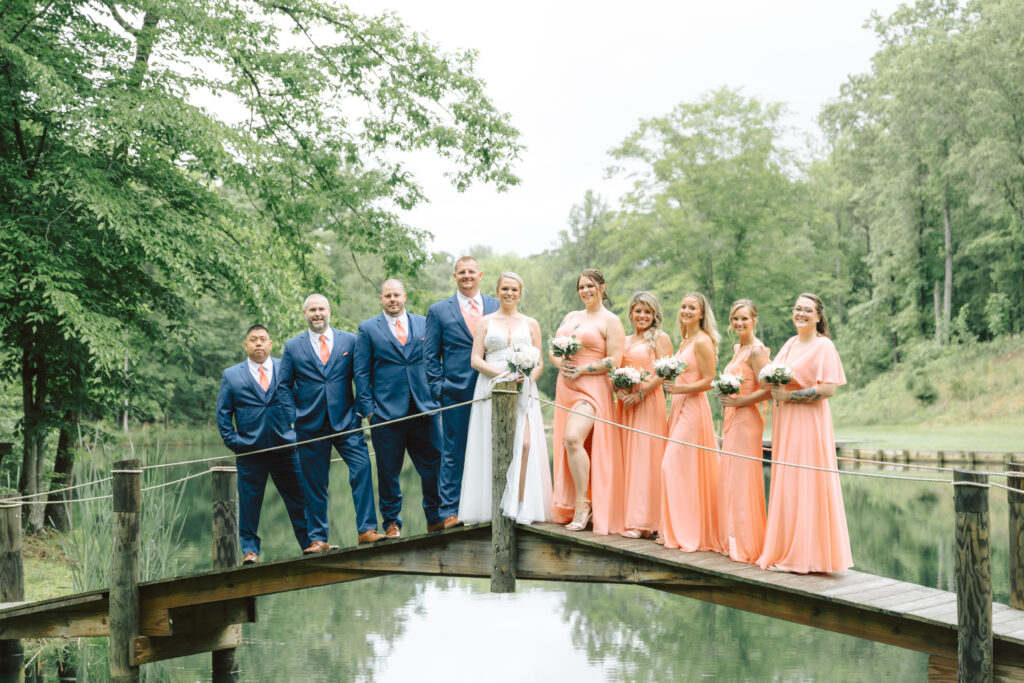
[[203, 612], [966, 636]]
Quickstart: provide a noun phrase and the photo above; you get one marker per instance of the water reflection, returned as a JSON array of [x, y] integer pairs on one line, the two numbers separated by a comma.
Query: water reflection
[[402, 628]]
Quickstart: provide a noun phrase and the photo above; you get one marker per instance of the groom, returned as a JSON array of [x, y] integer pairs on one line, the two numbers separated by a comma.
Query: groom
[[448, 343]]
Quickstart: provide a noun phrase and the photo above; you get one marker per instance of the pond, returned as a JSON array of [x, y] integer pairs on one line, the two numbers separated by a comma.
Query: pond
[[401, 628]]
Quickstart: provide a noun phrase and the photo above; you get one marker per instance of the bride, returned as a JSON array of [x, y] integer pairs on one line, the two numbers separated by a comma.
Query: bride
[[527, 495]]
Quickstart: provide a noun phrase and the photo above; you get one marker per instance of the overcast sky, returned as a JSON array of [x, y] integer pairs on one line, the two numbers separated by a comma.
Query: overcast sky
[[576, 78]]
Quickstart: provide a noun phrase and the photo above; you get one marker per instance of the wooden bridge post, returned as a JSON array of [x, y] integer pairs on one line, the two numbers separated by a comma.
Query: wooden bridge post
[[503, 529], [1015, 498], [12, 581], [225, 551], [124, 570], [973, 578]]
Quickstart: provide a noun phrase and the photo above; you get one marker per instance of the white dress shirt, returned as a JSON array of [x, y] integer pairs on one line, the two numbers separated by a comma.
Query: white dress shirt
[[314, 339], [404, 317], [268, 367]]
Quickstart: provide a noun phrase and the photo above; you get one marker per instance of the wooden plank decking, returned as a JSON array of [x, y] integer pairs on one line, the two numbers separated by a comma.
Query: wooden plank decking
[[858, 604]]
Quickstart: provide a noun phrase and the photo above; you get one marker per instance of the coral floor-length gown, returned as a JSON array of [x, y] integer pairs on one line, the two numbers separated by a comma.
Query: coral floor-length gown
[[689, 501], [741, 512], [806, 529], [603, 445], [641, 454]]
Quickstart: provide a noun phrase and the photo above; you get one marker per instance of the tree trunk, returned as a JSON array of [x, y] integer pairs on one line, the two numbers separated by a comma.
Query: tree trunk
[[32, 393], [947, 285], [937, 309], [57, 514]]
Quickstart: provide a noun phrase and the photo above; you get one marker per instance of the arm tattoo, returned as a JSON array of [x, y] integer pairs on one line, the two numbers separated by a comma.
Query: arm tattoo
[[805, 395], [607, 362], [590, 367]]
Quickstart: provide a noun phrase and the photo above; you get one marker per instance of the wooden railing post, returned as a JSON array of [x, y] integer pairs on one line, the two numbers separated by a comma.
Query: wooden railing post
[[503, 529], [973, 578], [225, 551], [12, 581], [124, 570], [1015, 498]]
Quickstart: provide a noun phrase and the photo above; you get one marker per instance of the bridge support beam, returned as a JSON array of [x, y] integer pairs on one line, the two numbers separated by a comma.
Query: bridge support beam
[[12, 581], [124, 570], [1015, 498], [225, 553], [973, 578], [503, 529]]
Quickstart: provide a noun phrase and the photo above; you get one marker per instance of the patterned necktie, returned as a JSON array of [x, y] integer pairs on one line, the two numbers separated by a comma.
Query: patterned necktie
[[325, 353], [400, 332], [472, 315], [264, 382]]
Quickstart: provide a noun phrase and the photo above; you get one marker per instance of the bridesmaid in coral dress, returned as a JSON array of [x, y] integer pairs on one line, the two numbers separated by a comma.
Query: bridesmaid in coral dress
[[643, 409], [689, 501], [806, 529], [587, 452], [741, 513]]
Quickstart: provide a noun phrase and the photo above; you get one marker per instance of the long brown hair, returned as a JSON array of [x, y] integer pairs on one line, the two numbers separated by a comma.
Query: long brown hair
[[819, 308], [651, 301], [595, 275]]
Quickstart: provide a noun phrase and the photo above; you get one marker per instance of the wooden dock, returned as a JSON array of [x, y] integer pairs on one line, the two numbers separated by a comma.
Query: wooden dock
[[203, 611]]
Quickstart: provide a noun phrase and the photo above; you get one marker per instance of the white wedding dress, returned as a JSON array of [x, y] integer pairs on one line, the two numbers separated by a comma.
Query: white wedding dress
[[475, 503]]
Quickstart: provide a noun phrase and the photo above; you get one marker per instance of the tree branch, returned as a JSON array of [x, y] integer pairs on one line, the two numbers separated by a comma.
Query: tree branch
[[121, 20]]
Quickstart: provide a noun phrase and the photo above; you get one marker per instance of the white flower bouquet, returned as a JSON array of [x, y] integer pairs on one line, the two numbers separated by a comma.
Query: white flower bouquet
[[775, 373], [669, 367], [522, 359], [628, 377], [726, 384], [564, 346]]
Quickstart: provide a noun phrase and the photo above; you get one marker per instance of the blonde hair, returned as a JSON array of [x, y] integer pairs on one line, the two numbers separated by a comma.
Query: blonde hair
[[511, 276], [707, 318], [651, 301], [742, 303]]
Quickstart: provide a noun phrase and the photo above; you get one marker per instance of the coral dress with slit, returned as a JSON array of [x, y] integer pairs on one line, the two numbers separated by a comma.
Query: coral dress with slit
[[741, 513], [641, 455], [806, 529], [602, 445], [689, 501]]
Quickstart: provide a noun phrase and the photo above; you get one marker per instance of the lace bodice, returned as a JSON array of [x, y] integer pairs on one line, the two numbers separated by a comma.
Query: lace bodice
[[497, 341]]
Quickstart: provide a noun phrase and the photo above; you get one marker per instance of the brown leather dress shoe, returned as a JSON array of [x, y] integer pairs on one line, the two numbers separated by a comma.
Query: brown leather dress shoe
[[435, 527], [451, 521], [250, 558], [371, 536], [393, 531], [316, 547]]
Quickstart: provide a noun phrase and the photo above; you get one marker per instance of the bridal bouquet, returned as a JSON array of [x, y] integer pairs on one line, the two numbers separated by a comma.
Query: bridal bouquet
[[669, 367], [726, 384], [564, 346], [522, 358], [628, 377], [775, 373]]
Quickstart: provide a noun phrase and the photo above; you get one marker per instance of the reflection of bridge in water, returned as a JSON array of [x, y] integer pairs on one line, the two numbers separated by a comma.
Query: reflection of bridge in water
[[202, 612], [965, 634]]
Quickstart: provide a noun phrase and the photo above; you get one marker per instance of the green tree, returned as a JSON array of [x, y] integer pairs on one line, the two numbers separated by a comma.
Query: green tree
[[124, 200]]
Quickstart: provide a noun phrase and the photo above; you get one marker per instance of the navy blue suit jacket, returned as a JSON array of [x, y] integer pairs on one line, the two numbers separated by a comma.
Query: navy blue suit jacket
[[259, 420], [389, 376], [448, 346], [319, 396]]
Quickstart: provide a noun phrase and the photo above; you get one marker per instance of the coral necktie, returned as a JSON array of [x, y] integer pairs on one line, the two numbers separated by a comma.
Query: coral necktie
[[325, 353], [264, 382], [472, 315], [400, 332]]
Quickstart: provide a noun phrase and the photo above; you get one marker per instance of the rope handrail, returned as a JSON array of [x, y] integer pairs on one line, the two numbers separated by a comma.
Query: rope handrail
[[785, 464]]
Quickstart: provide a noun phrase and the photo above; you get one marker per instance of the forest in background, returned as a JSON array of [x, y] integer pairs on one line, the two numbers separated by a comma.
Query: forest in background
[[142, 234]]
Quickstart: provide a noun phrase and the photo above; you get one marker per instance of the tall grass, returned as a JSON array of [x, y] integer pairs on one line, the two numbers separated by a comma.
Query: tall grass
[[89, 546]]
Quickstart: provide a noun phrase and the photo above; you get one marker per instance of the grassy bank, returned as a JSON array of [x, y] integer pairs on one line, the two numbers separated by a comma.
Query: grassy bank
[[46, 565], [957, 397]]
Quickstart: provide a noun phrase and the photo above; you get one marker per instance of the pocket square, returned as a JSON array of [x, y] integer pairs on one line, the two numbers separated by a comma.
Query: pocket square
[[345, 354]]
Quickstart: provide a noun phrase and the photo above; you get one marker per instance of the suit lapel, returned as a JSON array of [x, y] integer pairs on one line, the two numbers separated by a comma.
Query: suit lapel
[[460, 320], [414, 334], [385, 329]]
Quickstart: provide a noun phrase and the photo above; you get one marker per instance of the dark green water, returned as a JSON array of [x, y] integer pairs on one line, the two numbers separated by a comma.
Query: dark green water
[[411, 629]]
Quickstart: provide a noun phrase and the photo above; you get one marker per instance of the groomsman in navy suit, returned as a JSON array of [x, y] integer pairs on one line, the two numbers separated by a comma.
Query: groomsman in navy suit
[[391, 382], [316, 385], [449, 341], [250, 418]]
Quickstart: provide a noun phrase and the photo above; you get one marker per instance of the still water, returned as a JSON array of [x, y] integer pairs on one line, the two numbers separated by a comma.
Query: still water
[[399, 628]]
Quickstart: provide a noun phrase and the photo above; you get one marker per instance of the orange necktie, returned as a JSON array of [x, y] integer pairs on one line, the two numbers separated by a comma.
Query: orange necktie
[[400, 332], [472, 316], [325, 353], [264, 382]]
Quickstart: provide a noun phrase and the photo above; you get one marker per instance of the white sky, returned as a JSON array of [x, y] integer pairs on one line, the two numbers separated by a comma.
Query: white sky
[[576, 78]]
